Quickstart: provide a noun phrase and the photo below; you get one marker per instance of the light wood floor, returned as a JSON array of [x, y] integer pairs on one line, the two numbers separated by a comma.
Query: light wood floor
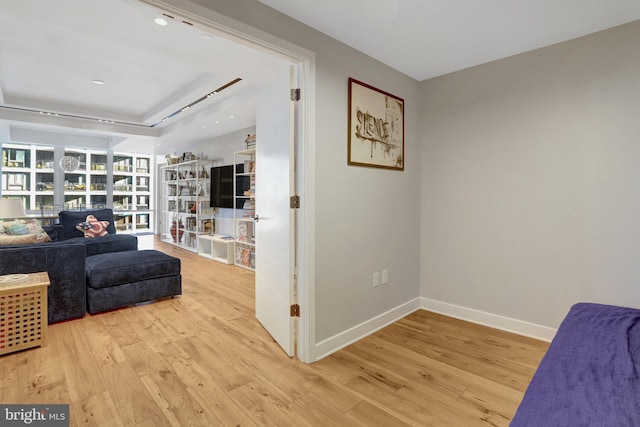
[[203, 359]]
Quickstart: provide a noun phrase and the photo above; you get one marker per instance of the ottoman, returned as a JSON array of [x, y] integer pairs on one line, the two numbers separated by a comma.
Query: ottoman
[[119, 279]]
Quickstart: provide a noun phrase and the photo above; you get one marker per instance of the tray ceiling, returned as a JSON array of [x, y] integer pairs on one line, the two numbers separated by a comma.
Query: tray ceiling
[[53, 51]]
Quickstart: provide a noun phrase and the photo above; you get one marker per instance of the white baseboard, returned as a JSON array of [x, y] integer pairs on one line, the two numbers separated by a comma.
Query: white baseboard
[[488, 319], [348, 337]]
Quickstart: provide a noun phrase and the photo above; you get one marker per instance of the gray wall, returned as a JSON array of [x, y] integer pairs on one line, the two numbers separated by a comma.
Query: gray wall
[[530, 180], [220, 150]]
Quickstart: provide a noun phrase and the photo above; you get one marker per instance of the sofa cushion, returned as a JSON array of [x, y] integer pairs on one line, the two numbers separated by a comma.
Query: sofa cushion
[[107, 244], [117, 268], [70, 219]]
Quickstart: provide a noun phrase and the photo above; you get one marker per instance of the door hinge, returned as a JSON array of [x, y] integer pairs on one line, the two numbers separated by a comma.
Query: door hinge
[[294, 202], [295, 310], [295, 94]]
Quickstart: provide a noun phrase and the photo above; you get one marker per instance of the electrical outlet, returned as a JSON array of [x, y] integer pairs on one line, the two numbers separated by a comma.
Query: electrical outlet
[[376, 280], [385, 277]]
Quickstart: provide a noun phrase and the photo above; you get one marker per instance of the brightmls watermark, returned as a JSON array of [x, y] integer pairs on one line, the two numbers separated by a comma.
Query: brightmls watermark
[[34, 415]]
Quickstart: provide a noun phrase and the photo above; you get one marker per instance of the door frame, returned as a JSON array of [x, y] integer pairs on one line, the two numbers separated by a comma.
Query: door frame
[[211, 21]]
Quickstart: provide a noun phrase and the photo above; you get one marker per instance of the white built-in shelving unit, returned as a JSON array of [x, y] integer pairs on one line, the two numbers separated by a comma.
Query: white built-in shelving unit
[[121, 181], [185, 203], [244, 212]]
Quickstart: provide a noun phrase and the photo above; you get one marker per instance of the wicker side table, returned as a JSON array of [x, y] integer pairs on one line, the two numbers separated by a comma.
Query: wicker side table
[[23, 311]]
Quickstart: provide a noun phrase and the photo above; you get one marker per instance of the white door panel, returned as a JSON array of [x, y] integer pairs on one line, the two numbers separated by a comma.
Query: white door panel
[[274, 229]]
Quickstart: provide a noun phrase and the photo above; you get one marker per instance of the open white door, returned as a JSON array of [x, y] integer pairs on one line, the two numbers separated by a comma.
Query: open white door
[[275, 219]]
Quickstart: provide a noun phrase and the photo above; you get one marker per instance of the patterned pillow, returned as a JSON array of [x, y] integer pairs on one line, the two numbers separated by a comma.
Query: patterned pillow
[[4, 224], [34, 226], [91, 227], [16, 229], [23, 228], [6, 239]]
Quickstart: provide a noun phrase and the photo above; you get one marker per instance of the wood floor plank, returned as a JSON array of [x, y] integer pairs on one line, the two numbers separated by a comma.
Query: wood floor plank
[[367, 414], [202, 359], [97, 410], [103, 348], [116, 324], [135, 406], [150, 422], [431, 373], [143, 359], [522, 351], [462, 354], [403, 409], [80, 369], [219, 406], [173, 399], [266, 405], [38, 375], [316, 410]]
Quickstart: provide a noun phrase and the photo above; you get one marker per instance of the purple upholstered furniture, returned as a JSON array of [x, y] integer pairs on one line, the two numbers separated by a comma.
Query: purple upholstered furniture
[[590, 376]]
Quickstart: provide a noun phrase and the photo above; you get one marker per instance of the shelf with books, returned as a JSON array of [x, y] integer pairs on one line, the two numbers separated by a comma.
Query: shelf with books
[[245, 207], [185, 203], [245, 233], [100, 178]]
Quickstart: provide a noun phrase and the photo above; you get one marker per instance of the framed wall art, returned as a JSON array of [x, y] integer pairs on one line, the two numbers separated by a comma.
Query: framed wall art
[[376, 127]]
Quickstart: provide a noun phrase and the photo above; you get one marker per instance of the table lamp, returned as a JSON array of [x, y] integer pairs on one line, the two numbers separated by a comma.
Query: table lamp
[[11, 209]]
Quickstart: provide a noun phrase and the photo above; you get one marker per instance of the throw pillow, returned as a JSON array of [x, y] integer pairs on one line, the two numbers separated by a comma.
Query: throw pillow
[[6, 239], [35, 228], [4, 224], [10, 230], [69, 219], [91, 227], [16, 229]]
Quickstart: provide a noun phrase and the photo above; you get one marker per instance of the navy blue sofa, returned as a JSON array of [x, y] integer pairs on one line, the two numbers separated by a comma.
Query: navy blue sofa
[[64, 260]]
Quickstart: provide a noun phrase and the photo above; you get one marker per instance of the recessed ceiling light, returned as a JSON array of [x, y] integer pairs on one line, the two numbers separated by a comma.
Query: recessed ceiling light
[[206, 37], [97, 82], [160, 21], [232, 117]]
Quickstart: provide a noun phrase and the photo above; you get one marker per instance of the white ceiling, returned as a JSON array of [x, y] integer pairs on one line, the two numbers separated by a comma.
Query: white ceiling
[[50, 51], [428, 38]]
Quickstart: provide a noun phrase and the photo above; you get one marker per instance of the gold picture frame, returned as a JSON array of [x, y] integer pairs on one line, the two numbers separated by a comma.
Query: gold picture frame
[[376, 127]]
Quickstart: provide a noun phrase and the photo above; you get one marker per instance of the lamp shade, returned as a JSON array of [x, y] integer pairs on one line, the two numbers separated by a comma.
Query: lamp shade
[[12, 208]]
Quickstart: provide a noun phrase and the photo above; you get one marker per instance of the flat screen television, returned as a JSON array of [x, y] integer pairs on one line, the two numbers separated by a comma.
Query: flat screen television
[[222, 186]]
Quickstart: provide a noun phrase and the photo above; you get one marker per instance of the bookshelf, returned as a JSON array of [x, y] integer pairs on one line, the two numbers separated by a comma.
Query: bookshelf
[[244, 211], [101, 179], [186, 213]]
